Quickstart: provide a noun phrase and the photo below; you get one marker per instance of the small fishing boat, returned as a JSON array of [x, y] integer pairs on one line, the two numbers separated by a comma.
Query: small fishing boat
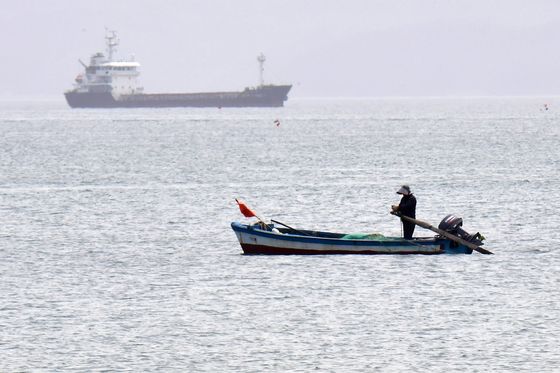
[[267, 239], [270, 239]]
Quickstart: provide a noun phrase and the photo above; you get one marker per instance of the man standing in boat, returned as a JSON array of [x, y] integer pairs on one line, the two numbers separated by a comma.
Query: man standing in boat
[[406, 207]]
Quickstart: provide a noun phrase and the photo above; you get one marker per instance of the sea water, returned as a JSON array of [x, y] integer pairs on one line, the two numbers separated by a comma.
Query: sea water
[[116, 252]]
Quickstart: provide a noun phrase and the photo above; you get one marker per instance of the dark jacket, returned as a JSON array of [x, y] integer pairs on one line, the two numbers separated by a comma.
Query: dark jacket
[[407, 206]]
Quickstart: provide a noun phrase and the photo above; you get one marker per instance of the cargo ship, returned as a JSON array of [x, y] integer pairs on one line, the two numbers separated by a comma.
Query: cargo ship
[[108, 83]]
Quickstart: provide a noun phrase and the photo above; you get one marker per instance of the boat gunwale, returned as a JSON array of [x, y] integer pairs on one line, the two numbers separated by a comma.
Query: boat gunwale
[[393, 241]]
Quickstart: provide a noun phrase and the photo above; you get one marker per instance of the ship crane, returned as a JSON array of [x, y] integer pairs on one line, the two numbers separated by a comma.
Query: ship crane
[[261, 60]]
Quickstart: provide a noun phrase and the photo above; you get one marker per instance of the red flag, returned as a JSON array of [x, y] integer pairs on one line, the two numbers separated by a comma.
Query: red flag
[[246, 211]]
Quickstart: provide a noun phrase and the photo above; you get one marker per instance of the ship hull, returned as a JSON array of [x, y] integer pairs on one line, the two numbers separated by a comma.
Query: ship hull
[[264, 96]]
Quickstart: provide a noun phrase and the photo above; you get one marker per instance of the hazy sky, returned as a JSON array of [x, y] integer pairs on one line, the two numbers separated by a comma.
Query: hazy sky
[[324, 48]]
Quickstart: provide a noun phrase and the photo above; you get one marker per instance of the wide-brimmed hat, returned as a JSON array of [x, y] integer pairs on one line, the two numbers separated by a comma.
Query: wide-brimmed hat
[[405, 189]]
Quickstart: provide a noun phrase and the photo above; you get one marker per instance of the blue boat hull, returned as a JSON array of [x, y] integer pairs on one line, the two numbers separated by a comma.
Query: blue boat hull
[[255, 240]]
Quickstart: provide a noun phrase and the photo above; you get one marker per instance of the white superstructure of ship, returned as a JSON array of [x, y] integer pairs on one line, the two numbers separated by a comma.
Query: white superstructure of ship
[[104, 74]]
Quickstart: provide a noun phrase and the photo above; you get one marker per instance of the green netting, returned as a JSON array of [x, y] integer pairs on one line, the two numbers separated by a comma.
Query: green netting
[[366, 236]]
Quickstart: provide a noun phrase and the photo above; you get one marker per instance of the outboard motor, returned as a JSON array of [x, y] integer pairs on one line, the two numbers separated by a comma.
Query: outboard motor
[[453, 224]]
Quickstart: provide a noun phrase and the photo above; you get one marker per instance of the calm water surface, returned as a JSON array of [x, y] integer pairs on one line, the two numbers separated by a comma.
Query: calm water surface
[[116, 252]]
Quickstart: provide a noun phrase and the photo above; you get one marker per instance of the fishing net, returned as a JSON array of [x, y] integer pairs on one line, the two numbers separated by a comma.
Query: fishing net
[[366, 236]]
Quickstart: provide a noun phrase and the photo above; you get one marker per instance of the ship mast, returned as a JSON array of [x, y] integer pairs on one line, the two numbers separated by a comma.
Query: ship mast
[[112, 42], [261, 60]]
